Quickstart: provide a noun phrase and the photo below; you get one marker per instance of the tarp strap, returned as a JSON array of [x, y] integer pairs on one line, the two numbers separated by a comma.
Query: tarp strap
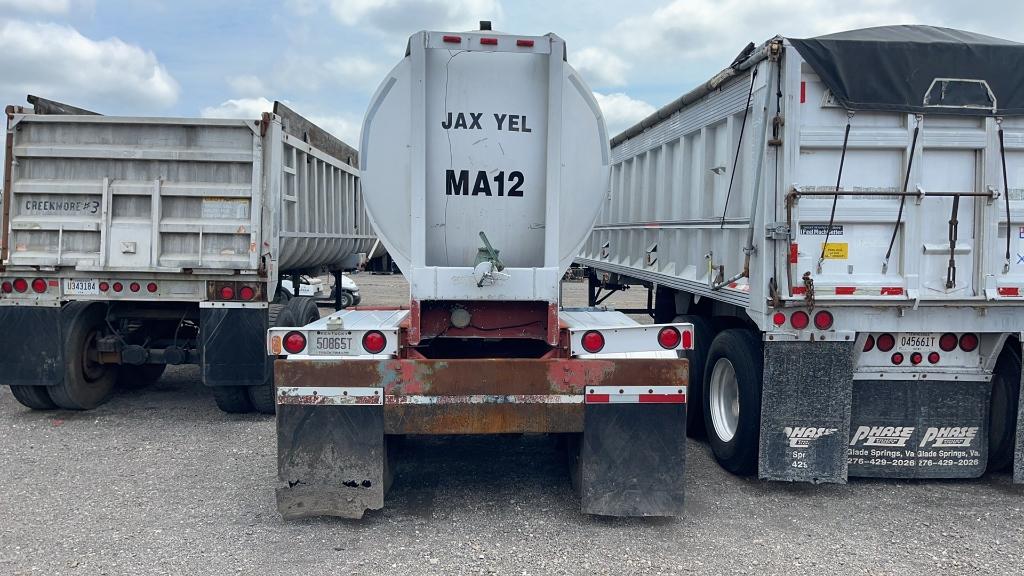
[[835, 197], [1006, 194], [739, 144], [903, 197]]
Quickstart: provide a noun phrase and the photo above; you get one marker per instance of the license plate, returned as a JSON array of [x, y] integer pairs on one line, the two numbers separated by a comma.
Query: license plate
[[81, 287], [919, 341], [330, 343]]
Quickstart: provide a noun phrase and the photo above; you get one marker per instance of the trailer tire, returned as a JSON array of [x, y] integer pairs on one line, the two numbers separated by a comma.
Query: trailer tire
[[732, 399], [34, 397], [131, 377], [1003, 412], [86, 384], [232, 399], [303, 310], [262, 397], [703, 334]]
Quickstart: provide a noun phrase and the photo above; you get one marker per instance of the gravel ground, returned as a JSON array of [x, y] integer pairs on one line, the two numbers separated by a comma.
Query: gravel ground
[[159, 482]]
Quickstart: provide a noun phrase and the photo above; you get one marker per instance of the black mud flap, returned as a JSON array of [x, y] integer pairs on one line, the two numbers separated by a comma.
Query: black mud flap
[[805, 411], [1018, 453], [32, 346], [330, 460], [633, 459], [919, 429], [234, 349]]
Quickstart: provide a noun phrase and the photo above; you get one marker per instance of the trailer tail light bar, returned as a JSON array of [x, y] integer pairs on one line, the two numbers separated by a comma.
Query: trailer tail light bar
[[627, 339], [346, 333], [635, 395], [233, 291], [920, 351]]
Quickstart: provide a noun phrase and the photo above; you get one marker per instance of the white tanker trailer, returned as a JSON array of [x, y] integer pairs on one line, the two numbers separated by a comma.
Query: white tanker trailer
[[485, 159]]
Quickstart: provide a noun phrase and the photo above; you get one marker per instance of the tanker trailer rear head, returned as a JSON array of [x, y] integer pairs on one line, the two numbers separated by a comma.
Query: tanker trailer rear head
[[484, 163]]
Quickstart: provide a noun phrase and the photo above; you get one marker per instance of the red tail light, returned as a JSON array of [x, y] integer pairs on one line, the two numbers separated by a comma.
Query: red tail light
[[489, 41], [227, 293], [886, 342], [897, 358], [151, 287], [104, 286], [916, 358], [799, 320], [947, 342], [687, 340], [933, 358], [134, 287], [778, 319], [452, 39], [592, 341], [20, 285], [247, 293], [823, 320], [374, 342], [669, 338], [524, 43], [294, 342], [968, 342], [869, 343], [7, 287], [118, 286], [39, 285]]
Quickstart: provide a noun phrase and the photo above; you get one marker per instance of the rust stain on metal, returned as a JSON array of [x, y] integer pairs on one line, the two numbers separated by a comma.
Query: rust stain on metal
[[482, 418]]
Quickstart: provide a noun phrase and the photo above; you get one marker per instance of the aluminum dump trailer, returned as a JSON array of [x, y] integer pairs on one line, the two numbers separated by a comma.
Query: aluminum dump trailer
[[132, 243], [484, 157], [832, 215]]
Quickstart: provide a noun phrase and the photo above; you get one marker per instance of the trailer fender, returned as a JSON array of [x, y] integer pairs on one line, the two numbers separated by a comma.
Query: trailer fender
[[805, 411], [32, 346]]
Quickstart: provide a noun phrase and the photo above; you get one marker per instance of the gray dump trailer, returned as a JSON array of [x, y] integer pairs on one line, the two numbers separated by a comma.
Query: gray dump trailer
[[132, 243]]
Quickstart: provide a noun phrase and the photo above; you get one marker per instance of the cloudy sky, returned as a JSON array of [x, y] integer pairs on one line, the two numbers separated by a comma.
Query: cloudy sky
[[325, 57]]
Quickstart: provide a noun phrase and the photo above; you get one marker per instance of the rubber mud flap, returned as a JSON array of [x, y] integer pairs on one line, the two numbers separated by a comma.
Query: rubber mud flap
[[919, 429], [1018, 454], [805, 411], [633, 459], [32, 346], [330, 460], [234, 346]]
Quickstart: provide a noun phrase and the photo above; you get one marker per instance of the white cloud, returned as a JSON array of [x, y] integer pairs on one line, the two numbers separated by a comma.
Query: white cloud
[[404, 16], [599, 66], [247, 108], [354, 71], [620, 111], [246, 85], [344, 127], [56, 61], [53, 7]]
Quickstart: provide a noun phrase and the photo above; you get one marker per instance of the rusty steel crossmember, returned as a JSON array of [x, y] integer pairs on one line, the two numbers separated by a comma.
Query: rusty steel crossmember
[[477, 396]]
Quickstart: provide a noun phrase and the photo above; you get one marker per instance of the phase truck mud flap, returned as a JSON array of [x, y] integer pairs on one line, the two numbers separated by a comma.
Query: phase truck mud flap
[[32, 346], [234, 347], [633, 457], [805, 411], [919, 429], [330, 452]]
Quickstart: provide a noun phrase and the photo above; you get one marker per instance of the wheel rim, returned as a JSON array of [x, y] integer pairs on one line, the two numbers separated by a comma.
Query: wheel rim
[[92, 370], [724, 400]]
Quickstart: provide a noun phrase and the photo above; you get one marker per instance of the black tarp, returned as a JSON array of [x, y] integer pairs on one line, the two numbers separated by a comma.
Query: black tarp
[[919, 70]]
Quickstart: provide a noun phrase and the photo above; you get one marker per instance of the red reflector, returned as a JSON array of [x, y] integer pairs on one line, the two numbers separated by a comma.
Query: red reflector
[[885, 342], [661, 398], [845, 290], [53, 283], [247, 293], [39, 285], [104, 286], [452, 39], [968, 342], [227, 293], [897, 358], [151, 287], [892, 291], [20, 285], [374, 342], [803, 92], [947, 342], [687, 340], [916, 358], [794, 253], [134, 287], [933, 357], [118, 287], [489, 41], [599, 398], [823, 320], [869, 343], [799, 290], [7, 288], [294, 342], [669, 338], [592, 341], [778, 318], [1009, 291], [524, 43], [799, 320]]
